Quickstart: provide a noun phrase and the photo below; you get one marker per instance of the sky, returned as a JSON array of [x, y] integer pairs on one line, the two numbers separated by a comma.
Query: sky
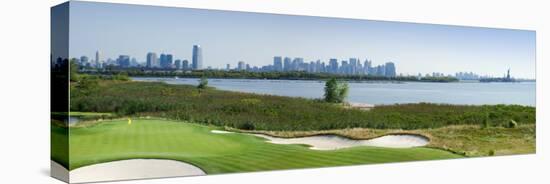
[[227, 37]]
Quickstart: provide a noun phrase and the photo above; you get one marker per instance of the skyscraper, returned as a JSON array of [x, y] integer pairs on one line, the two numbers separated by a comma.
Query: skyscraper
[[169, 61], [166, 60], [123, 61], [278, 63], [287, 63], [151, 60], [98, 62], [197, 57], [390, 69], [185, 64], [241, 66], [178, 64], [333, 65]]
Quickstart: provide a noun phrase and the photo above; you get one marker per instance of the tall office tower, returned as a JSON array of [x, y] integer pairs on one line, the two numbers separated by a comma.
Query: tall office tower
[[352, 65], [123, 61], [197, 57], [151, 60], [169, 61], [185, 64], [166, 60], [278, 63], [367, 66], [390, 69], [228, 67], [381, 70], [333, 65], [298, 64], [178, 64], [133, 62], [345, 67], [162, 60], [241, 65], [287, 63], [98, 62]]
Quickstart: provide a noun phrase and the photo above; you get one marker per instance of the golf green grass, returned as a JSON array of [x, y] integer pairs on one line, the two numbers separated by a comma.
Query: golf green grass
[[216, 153]]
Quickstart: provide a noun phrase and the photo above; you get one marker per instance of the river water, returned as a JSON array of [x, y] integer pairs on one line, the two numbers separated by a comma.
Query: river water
[[471, 93]]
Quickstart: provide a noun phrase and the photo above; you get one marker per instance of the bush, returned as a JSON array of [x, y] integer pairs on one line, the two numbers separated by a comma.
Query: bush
[[512, 124], [335, 92], [246, 126], [203, 83], [121, 77]]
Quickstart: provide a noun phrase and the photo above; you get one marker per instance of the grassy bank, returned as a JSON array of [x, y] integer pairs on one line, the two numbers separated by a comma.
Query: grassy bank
[[265, 112], [215, 153]]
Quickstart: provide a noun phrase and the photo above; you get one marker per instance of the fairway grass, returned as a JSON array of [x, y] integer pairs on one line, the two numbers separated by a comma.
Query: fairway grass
[[215, 153]]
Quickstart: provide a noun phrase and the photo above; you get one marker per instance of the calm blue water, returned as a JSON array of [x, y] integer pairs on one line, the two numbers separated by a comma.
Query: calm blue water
[[382, 92]]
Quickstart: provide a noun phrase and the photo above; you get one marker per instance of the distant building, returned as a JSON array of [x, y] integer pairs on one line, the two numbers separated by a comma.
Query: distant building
[[278, 63], [287, 62], [241, 66], [123, 61], [98, 63], [151, 60], [84, 60], [178, 64], [228, 67], [166, 61], [185, 65], [333, 65], [197, 57], [390, 70]]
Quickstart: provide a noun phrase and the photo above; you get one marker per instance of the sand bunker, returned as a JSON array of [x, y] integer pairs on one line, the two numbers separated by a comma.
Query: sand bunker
[[220, 132], [133, 169], [332, 142]]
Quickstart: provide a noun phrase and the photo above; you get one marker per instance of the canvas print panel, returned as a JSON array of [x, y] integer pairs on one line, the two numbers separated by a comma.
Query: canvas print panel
[[148, 92]]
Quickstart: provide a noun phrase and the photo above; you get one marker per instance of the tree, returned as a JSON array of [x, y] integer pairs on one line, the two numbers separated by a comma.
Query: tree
[[203, 83], [335, 92], [73, 70]]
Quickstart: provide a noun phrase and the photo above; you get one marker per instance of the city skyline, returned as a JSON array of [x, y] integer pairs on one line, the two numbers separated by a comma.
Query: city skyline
[[255, 38]]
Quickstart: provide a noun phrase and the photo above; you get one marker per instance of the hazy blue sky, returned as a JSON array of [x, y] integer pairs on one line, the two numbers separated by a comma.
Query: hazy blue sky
[[228, 37]]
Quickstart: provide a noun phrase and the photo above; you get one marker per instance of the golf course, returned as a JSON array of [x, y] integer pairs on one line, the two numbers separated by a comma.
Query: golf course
[[118, 123], [217, 153]]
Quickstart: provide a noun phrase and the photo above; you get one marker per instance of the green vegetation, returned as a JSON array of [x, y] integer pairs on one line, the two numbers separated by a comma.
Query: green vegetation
[[291, 75], [266, 112], [203, 83], [214, 153], [335, 92]]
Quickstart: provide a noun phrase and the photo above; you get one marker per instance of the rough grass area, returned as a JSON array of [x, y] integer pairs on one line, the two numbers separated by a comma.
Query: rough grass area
[[267, 112], [466, 140], [214, 153]]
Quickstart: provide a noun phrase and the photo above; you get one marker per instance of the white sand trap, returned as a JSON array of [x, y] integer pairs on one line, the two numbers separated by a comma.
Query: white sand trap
[[220, 132], [133, 169], [332, 142]]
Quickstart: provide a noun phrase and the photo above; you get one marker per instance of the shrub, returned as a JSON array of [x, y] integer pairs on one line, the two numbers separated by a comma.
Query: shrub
[[246, 126], [335, 92], [512, 124], [203, 83]]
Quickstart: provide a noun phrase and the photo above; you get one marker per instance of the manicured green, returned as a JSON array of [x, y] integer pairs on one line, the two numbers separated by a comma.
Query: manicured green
[[266, 112], [216, 153]]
